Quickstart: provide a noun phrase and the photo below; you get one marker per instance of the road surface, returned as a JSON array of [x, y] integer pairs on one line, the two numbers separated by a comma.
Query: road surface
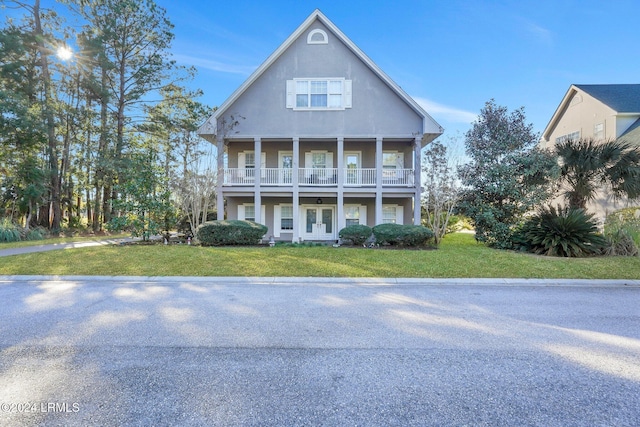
[[304, 352]]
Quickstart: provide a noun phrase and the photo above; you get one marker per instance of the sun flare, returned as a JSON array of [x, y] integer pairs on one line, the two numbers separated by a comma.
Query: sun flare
[[64, 53]]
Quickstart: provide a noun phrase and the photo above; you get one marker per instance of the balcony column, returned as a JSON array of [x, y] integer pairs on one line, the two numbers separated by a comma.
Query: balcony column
[[220, 178], [378, 181], [257, 198], [296, 191], [341, 172], [417, 181]]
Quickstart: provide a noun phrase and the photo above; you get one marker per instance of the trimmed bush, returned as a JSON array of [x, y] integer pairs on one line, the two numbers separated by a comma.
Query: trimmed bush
[[402, 235], [562, 232], [230, 232], [356, 234], [9, 232]]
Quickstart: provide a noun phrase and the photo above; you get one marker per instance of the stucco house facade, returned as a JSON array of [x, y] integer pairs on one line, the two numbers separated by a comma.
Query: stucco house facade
[[318, 138], [600, 112]]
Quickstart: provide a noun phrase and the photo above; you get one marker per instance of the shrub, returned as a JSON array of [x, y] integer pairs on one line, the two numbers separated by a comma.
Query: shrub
[[356, 234], [230, 232], [9, 232], [621, 243], [627, 220], [402, 235], [37, 233], [622, 231], [561, 232]]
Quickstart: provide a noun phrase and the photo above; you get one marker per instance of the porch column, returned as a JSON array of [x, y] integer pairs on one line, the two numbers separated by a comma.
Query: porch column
[[378, 180], [220, 178], [341, 171], [257, 203], [417, 181], [296, 191]]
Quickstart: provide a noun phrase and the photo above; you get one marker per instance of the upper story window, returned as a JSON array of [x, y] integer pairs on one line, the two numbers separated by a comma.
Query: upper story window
[[598, 131], [317, 37], [319, 94], [573, 136]]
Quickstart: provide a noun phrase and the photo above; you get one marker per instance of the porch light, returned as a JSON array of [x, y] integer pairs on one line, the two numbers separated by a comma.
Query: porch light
[[319, 201]]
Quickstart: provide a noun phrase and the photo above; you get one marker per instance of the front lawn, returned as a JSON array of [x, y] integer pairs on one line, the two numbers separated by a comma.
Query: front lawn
[[459, 256]]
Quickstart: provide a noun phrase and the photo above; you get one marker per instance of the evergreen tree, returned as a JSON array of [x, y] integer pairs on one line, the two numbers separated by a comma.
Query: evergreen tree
[[507, 176]]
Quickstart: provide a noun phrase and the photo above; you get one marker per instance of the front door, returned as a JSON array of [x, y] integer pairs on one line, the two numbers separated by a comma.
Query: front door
[[318, 223]]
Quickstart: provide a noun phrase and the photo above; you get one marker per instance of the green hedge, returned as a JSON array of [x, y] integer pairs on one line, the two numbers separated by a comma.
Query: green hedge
[[402, 235], [356, 234], [230, 232]]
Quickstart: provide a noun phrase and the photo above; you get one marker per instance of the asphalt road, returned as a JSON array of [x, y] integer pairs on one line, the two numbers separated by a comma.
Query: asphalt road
[[208, 352]]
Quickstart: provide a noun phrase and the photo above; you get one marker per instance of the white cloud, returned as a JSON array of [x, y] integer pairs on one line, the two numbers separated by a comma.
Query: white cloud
[[444, 112], [209, 64], [539, 33]]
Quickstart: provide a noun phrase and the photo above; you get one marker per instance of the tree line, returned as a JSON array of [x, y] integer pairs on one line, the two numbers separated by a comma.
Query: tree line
[[96, 121]]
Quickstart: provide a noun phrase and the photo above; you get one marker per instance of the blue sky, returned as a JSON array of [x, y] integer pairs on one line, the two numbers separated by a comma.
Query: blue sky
[[451, 56]]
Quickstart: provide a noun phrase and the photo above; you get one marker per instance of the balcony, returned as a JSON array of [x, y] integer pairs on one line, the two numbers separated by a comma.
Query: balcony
[[325, 177]]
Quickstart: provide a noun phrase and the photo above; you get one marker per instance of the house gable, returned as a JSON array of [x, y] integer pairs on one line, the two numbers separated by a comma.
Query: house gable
[[599, 111], [317, 50]]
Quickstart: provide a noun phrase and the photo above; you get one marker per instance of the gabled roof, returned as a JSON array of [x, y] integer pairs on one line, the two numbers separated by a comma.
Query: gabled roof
[[622, 98], [209, 127]]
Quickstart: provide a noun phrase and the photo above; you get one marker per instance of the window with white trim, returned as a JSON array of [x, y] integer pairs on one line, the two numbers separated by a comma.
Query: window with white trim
[[392, 214], [388, 214], [392, 160], [598, 131], [319, 94], [352, 215], [573, 136], [249, 212], [286, 217]]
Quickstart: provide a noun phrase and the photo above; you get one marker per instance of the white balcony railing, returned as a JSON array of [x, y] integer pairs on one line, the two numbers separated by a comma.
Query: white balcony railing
[[360, 177], [317, 176]]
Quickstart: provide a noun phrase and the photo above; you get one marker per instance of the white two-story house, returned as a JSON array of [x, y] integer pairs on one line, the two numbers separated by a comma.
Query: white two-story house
[[319, 138]]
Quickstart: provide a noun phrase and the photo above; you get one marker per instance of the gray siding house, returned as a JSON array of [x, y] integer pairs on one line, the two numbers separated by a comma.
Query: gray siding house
[[318, 138]]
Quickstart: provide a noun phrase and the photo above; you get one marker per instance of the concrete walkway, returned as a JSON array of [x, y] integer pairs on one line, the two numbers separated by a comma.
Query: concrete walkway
[[58, 246]]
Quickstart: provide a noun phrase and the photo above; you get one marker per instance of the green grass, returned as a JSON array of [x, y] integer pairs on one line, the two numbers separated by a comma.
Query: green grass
[[458, 257]]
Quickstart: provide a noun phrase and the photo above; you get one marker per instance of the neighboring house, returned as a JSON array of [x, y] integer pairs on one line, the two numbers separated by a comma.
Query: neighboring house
[[601, 112], [319, 138]]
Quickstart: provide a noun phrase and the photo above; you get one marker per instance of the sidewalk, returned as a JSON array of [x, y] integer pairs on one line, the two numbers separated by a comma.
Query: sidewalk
[[58, 246]]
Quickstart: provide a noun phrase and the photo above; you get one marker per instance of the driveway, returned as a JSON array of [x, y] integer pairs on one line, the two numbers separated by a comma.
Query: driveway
[[288, 352]]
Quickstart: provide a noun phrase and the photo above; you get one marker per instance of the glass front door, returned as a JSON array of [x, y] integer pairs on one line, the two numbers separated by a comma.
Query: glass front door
[[318, 223]]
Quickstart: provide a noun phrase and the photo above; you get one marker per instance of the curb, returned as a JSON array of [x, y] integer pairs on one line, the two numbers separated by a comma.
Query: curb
[[328, 281]]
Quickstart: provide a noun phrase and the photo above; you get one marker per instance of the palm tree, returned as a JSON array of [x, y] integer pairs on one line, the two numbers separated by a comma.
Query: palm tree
[[588, 166]]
